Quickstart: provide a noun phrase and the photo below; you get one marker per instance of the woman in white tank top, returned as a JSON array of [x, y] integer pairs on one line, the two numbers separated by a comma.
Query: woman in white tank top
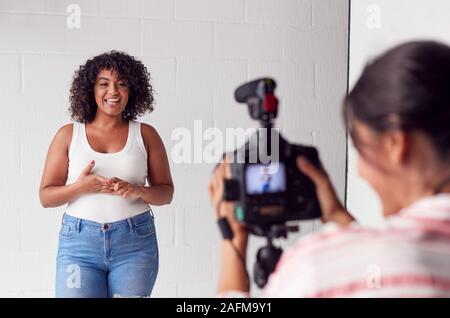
[[99, 166]]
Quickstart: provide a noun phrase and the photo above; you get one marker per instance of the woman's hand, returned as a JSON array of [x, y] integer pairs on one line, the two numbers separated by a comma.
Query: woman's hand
[[125, 189], [332, 209], [223, 208], [88, 182]]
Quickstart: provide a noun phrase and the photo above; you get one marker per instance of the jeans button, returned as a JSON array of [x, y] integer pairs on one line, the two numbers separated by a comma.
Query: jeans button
[[105, 227]]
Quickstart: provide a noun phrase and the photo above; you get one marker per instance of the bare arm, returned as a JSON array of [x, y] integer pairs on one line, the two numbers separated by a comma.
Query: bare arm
[[53, 190], [161, 187], [233, 274]]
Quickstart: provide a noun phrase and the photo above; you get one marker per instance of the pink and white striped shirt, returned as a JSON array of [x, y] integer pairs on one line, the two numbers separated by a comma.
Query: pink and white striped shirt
[[409, 257]]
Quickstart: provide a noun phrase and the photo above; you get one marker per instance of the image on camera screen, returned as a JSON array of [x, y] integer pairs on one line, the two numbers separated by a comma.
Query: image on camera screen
[[265, 178]]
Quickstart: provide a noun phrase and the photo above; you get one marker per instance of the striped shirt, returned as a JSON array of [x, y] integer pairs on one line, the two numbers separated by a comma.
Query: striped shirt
[[408, 257]]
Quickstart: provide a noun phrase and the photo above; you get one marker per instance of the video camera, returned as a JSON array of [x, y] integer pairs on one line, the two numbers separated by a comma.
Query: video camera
[[269, 193]]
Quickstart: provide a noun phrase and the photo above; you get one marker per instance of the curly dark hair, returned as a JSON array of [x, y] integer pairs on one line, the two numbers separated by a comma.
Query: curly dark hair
[[82, 100]]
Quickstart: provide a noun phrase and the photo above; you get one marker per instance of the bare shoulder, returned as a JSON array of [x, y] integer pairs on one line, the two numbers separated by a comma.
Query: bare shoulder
[[148, 129], [150, 136], [63, 136], [66, 129], [149, 133]]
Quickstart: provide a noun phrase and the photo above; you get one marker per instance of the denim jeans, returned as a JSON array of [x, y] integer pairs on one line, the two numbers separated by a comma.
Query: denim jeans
[[118, 259]]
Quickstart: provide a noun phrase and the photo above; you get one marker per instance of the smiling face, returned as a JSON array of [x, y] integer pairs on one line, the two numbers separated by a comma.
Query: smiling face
[[111, 93]]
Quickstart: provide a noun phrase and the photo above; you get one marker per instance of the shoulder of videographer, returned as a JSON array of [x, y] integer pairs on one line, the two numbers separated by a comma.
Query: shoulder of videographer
[[233, 274]]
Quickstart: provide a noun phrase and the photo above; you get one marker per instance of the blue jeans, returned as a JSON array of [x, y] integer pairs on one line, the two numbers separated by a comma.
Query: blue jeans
[[118, 259]]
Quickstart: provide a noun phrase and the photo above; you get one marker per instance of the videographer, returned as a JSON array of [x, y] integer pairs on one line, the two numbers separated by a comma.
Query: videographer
[[398, 116]]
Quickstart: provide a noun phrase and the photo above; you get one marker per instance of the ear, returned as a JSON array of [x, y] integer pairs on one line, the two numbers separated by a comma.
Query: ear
[[397, 146]]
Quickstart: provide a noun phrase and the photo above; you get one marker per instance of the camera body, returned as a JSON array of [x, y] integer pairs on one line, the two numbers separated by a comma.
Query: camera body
[[276, 192], [269, 192]]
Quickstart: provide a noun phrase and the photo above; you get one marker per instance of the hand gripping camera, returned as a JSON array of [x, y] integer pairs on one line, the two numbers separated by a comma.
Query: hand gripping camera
[[269, 193]]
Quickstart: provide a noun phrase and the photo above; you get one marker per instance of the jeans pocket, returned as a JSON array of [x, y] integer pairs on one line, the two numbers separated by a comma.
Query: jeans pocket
[[67, 231], [145, 229]]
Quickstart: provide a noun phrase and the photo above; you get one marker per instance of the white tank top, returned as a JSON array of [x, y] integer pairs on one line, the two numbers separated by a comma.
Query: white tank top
[[129, 164]]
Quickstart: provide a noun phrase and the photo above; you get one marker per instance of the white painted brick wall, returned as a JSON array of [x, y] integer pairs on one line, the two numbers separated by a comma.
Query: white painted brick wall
[[89, 7], [198, 52], [297, 13], [210, 10], [155, 9], [177, 38], [31, 32], [99, 34], [233, 41]]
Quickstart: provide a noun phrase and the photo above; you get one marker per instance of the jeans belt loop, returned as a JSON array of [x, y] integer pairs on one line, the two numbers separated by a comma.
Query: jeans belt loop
[[130, 223]]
